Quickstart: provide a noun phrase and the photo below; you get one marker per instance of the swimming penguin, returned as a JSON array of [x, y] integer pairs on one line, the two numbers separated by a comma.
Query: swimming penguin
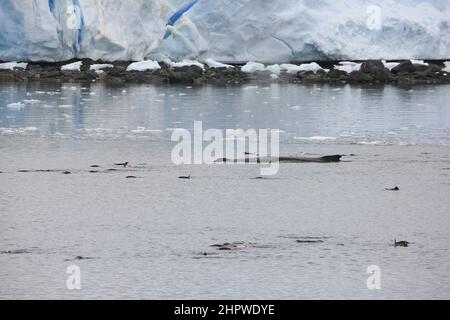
[[392, 189], [185, 177], [401, 243], [123, 164]]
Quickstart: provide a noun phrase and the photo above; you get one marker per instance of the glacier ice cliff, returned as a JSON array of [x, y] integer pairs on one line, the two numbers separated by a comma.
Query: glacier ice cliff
[[224, 30]]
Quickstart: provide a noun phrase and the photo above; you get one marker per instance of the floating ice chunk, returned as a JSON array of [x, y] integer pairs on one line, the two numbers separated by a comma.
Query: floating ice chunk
[[99, 67], [187, 63], [16, 105], [32, 101], [76, 66], [251, 67], [146, 65], [447, 66], [215, 64], [316, 138], [348, 66], [274, 76], [13, 65], [390, 65]]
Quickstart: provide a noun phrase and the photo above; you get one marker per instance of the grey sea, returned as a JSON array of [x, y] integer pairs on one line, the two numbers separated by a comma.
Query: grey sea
[[309, 232]]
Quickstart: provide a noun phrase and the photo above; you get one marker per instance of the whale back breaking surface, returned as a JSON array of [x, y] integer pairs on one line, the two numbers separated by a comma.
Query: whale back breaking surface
[[324, 159]]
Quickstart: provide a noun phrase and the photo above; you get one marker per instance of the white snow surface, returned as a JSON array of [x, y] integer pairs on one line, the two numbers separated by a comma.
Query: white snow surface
[[147, 65], [186, 63], [76, 66], [390, 65], [215, 64], [13, 65], [348, 66], [98, 67], [229, 31], [252, 66], [293, 69], [447, 66]]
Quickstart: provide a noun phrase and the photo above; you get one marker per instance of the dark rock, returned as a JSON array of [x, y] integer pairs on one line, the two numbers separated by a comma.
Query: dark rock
[[131, 177], [358, 76], [67, 172], [310, 76], [185, 177], [337, 74], [431, 71], [371, 65], [382, 75], [404, 67], [185, 74]]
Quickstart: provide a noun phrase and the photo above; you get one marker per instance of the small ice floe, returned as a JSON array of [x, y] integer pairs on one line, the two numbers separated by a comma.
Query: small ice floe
[[65, 106], [447, 66], [32, 101], [146, 65], [316, 138], [274, 76], [251, 67], [76, 66], [98, 68], [390, 65], [295, 108], [419, 62], [250, 87], [348, 66], [216, 65], [16, 105], [371, 143], [13, 65], [187, 63]]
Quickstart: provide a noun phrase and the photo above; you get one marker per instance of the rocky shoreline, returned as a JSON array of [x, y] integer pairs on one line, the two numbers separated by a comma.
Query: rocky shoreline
[[370, 72]]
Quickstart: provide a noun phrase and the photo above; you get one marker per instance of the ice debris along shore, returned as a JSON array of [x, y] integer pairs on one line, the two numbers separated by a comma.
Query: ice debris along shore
[[233, 31], [407, 72]]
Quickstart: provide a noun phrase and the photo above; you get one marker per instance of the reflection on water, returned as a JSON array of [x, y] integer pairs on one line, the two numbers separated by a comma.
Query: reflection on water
[[309, 232], [374, 115]]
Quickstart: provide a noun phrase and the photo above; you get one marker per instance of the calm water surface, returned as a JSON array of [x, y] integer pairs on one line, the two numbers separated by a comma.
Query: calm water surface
[[147, 236]]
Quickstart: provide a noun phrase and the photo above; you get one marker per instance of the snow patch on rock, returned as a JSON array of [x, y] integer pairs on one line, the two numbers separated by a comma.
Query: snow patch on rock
[[13, 65], [147, 65], [76, 66]]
